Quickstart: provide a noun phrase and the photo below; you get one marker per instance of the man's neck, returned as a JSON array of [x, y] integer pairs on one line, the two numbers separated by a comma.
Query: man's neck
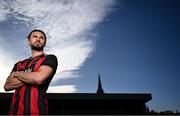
[[36, 53]]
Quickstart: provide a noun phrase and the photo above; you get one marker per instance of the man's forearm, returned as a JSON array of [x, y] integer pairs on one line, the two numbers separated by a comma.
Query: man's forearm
[[38, 77], [17, 79], [12, 86], [28, 77]]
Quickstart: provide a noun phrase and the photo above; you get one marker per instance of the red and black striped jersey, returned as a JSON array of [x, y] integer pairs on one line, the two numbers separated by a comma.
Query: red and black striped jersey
[[31, 99]]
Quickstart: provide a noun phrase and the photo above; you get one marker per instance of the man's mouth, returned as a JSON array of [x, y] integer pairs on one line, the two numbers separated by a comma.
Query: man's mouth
[[37, 44]]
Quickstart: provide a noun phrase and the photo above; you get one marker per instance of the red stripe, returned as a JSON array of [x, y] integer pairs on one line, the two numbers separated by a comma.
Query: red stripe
[[38, 64], [34, 92], [34, 109], [18, 66], [21, 101], [14, 95], [24, 64], [32, 62], [21, 66], [34, 101]]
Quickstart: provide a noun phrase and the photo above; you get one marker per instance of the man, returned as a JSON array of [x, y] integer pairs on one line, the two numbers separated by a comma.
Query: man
[[31, 77]]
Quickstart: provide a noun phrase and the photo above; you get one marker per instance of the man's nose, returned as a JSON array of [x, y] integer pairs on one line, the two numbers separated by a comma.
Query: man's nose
[[38, 38]]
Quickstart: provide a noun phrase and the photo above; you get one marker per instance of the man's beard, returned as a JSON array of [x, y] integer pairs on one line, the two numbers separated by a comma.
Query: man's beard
[[37, 47]]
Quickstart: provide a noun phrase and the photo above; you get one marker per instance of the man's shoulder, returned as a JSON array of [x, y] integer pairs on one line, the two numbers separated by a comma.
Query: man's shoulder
[[51, 56], [22, 60], [50, 60]]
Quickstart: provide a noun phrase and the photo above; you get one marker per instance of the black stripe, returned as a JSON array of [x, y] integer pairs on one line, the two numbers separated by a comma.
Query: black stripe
[[15, 108], [27, 95], [11, 105], [10, 109], [41, 103]]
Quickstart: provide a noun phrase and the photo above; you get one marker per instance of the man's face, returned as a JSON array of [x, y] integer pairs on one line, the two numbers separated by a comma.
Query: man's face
[[37, 41]]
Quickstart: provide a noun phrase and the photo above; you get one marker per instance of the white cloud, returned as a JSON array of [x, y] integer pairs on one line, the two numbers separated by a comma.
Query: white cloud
[[68, 23], [62, 89], [4, 10], [71, 58], [5, 63]]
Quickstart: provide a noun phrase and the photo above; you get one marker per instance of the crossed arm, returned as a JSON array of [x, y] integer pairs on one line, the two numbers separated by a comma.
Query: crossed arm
[[17, 79]]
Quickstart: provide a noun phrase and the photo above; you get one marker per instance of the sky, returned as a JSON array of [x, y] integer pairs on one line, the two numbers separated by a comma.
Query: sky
[[133, 44]]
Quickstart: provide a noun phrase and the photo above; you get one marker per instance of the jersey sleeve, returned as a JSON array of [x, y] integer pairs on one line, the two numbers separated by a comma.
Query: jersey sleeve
[[14, 68], [50, 60]]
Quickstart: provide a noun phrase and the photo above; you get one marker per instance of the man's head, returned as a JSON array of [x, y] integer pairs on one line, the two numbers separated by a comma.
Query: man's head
[[37, 39]]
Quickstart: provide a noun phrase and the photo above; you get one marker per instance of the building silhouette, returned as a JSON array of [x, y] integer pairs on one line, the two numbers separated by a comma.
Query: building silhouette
[[98, 103], [100, 89]]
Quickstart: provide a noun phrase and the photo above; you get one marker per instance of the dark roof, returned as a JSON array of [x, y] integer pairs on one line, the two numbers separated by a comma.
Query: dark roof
[[143, 97]]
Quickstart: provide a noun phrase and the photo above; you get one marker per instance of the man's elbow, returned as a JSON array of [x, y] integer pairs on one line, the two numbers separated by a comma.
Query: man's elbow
[[39, 81], [6, 88]]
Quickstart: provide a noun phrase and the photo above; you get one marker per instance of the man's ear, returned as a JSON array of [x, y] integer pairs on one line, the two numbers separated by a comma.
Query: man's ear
[[28, 41]]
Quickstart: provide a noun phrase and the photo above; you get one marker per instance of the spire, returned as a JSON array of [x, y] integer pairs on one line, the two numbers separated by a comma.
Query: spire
[[100, 89]]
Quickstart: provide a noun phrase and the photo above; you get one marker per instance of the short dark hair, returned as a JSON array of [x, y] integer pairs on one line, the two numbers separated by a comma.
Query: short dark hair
[[36, 30]]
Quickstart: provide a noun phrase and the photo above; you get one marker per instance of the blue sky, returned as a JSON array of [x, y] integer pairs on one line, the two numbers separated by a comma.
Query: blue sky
[[133, 44], [138, 51]]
